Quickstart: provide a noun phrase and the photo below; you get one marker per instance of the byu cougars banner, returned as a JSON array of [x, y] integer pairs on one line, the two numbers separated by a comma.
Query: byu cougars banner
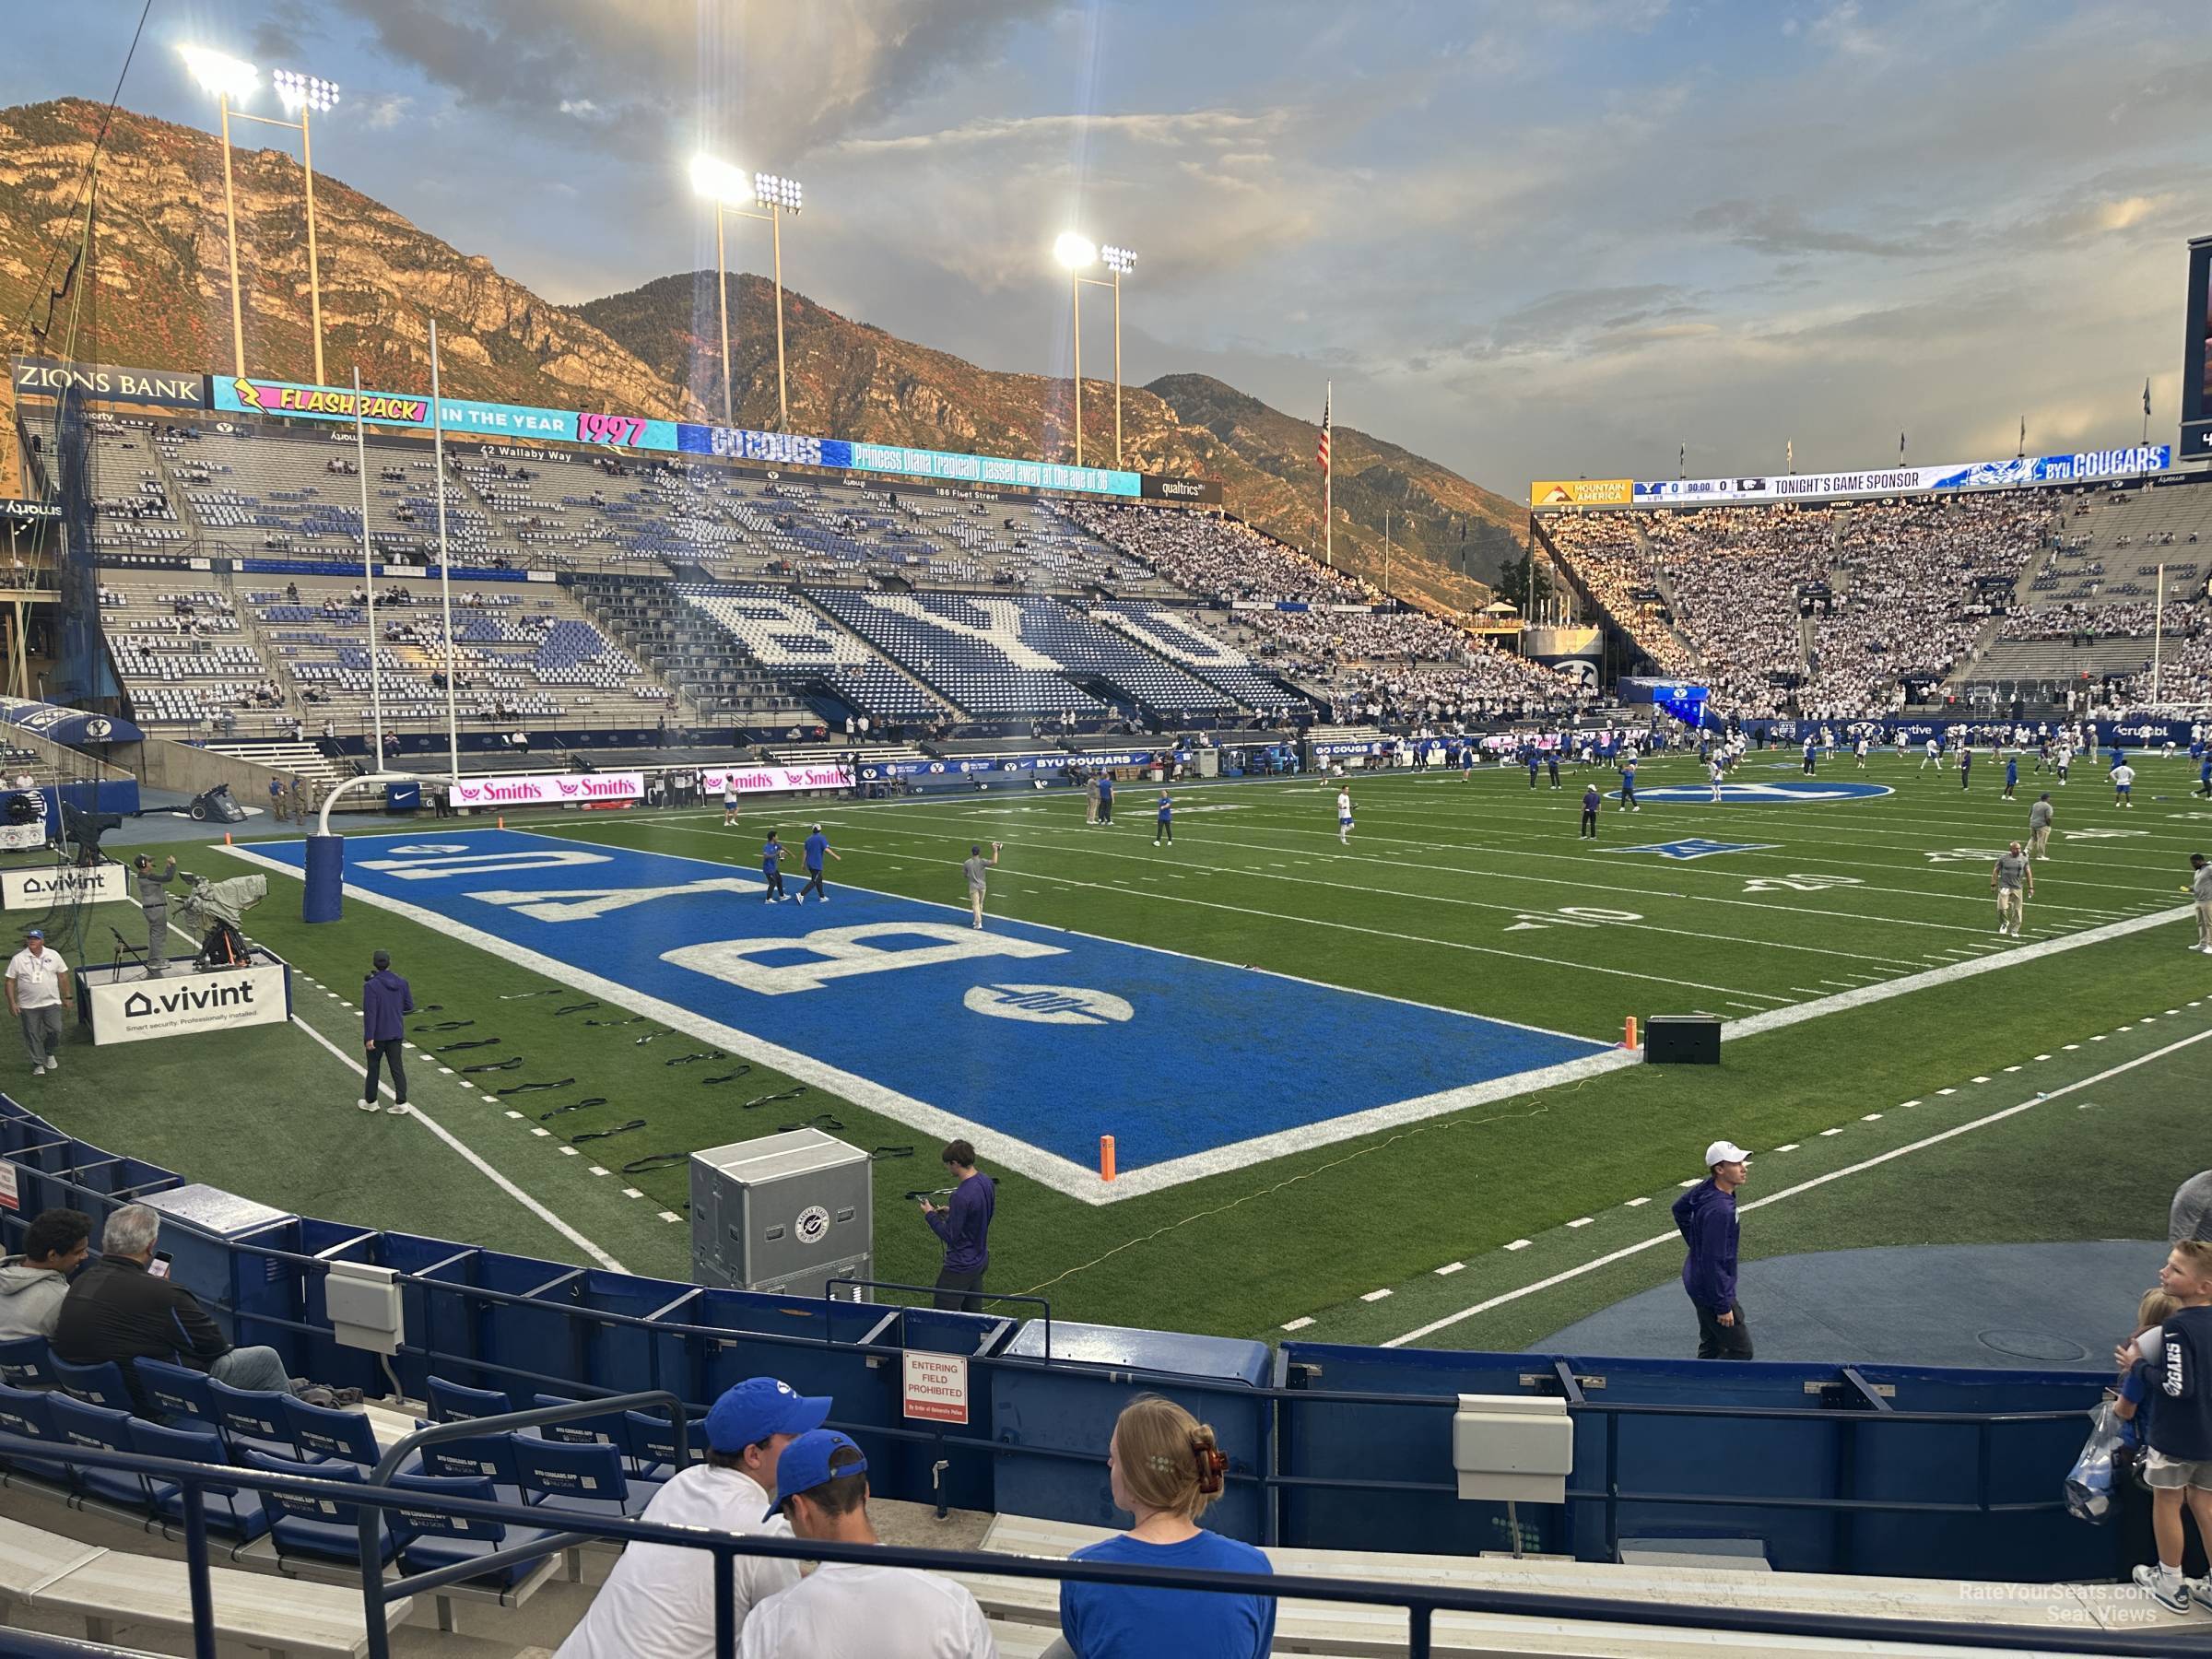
[[1031, 1040], [549, 789]]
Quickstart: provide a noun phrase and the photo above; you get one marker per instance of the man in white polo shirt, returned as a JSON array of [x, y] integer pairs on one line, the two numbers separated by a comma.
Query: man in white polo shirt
[[658, 1603], [36, 979], [842, 1611]]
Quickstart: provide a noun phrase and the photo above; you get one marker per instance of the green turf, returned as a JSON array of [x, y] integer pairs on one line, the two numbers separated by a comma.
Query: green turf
[[1452, 893]]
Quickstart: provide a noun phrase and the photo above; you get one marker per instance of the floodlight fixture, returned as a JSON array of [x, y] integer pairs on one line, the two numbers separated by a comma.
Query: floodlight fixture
[[1120, 261], [771, 190], [297, 91], [220, 73], [719, 182], [1074, 251]]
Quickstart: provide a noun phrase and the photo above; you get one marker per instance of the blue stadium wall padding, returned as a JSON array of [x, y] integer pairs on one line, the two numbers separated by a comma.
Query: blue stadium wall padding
[[324, 898]]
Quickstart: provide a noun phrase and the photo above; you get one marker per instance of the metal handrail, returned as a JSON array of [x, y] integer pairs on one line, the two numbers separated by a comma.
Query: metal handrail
[[375, 1592], [1421, 1601]]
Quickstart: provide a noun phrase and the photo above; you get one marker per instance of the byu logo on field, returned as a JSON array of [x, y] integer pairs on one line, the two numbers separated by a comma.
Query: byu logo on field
[[1049, 1005]]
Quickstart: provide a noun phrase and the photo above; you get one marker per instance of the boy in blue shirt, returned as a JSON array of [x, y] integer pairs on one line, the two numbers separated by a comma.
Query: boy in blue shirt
[[1105, 797], [772, 867], [2012, 774], [2179, 1467], [1166, 831], [816, 845]]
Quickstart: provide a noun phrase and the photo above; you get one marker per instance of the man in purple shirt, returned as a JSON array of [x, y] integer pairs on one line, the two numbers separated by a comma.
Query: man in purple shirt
[[965, 1225], [385, 1003], [1706, 1218]]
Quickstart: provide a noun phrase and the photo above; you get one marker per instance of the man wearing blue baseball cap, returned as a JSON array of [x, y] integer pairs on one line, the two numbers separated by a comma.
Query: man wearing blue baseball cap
[[658, 1603], [844, 1611]]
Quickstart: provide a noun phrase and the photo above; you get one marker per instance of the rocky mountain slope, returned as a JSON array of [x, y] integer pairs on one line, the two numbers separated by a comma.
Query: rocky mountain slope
[[156, 294]]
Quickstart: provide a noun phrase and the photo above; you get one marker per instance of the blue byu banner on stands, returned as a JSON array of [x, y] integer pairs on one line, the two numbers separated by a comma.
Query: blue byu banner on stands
[[1031, 1040], [2079, 467]]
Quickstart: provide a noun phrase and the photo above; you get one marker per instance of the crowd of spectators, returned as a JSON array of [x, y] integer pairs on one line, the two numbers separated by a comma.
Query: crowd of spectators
[[1217, 557]]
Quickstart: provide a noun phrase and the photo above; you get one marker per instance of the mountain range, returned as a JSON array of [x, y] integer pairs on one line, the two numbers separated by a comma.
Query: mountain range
[[147, 286]]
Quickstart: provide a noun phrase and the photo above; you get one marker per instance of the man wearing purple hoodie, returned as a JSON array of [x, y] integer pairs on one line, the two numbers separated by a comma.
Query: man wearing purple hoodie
[[1706, 1216], [385, 1003]]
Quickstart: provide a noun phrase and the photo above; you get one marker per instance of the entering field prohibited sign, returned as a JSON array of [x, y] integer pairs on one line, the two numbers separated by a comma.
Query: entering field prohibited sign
[[936, 1387]]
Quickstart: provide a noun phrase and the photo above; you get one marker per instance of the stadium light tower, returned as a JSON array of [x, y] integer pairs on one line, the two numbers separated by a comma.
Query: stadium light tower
[[1076, 253], [232, 81], [732, 191]]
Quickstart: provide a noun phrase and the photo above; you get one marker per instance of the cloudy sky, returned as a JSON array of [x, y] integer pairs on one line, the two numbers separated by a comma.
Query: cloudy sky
[[1544, 238]]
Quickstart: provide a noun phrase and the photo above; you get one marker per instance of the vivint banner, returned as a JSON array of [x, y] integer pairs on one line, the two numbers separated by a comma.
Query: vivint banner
[[44, 886], [2020, 472], [135, 1010], [767, 780], [549, 789]]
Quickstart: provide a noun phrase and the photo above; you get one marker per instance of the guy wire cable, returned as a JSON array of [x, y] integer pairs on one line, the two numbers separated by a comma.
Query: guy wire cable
[[572, 1106], [534, 1087], [457, 1048], [593, 1134], [509, 1064]]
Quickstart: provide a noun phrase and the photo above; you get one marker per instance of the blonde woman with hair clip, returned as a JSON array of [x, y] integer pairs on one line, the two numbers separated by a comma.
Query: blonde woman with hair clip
[[1165, 1470]]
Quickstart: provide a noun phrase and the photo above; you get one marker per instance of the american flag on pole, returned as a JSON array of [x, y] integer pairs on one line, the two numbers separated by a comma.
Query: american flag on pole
[[1328, 397]]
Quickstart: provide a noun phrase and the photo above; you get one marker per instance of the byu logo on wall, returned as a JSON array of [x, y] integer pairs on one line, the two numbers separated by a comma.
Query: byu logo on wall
[[1049, 1005]]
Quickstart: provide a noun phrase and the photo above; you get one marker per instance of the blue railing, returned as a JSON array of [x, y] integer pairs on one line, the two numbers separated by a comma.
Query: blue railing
[[1422, 1603]]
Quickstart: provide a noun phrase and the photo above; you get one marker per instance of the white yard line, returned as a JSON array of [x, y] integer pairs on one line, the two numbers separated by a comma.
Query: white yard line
[[418, 1115], [1805, 1186]]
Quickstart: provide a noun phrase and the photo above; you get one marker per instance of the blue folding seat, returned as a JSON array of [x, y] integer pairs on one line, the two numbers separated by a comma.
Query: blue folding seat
[[322, 1431], [23, 1362], [580, 1479], [252, 1419], [29, 1413], [100, 1385], [98, 1429], [324, 1528], [178, 1394], [234, 1511], [454, 1403]]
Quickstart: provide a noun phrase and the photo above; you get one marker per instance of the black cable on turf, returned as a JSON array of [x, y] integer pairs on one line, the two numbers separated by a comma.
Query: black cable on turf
[[534, 1087], [457, 1048], [656, 1160], [820, 1120], [578, 1140], [490, 1065], [886, 1154], [688, 1059], [727, 1077], [654, 1036], [572, 1106], [443, 1024], [574, 1008], [769, 1100], [633, 1019], [522, 995]]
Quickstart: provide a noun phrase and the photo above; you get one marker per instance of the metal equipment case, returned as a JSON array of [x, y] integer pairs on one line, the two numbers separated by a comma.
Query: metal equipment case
[[784, 1213]]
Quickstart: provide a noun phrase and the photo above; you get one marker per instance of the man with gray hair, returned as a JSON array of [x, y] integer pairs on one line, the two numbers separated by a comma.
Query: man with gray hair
[[124, 1309]]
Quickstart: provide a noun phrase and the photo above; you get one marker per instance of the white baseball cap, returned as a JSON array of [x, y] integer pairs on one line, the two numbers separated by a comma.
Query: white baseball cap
[[1725, 1151]]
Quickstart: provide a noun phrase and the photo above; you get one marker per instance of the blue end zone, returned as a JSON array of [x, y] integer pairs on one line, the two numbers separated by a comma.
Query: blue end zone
[[1032, 1035]]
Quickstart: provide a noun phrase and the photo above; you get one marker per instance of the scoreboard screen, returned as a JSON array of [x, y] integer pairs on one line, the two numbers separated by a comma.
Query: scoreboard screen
[[2196, 361]]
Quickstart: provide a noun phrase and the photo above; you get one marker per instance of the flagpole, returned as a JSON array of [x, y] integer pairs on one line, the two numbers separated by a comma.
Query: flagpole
[[1328, 479], [2158, 638], [360, 467], [445, 575]]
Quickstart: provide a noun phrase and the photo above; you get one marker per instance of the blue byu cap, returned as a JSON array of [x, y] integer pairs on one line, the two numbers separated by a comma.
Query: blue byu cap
[[806, 1464], [761, 1407]]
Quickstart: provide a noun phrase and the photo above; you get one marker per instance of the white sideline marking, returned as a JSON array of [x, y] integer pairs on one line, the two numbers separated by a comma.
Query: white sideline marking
[[1374, 1295], [1518, 1244], [568, 1152], [1872, 1117], [497, 1180], [1581, 1221], [1635, 1202], [670, 1215], [1826, 1132], [1450, 1268], [1300, 1324], [1804, 1186], [631, 1193], [1791, 1148]]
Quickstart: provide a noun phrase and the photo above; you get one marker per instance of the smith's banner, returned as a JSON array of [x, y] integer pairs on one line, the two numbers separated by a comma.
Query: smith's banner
[[2019, 472], [50, 377], [549, 789], [762, 780], [1581, 492]]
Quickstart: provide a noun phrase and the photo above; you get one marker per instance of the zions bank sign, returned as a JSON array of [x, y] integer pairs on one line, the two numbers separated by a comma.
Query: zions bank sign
[[50, 377]]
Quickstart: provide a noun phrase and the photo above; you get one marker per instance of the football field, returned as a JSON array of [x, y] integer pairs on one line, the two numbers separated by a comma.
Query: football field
[[1367, 1089]]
